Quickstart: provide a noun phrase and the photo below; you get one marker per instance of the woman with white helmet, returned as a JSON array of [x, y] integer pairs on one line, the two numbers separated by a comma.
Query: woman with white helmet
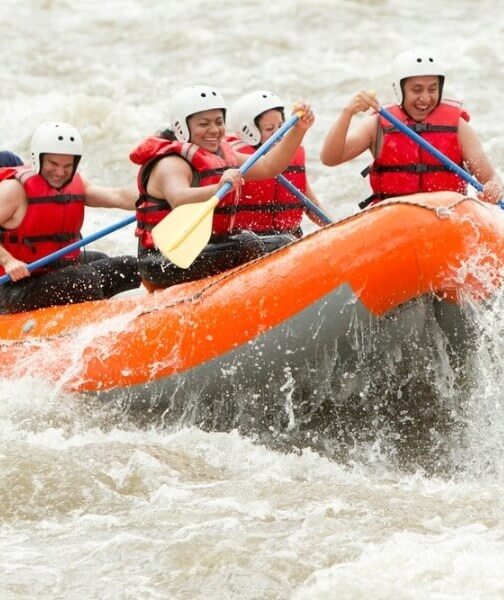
[[401, 166], [190, 169], [42, 211], [267, 208]]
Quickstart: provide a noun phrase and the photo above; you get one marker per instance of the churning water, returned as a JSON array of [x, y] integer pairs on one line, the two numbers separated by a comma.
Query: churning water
[[95, 503]]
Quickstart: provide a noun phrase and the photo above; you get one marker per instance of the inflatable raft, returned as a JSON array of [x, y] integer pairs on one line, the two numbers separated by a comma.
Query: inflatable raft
[[293, 325]]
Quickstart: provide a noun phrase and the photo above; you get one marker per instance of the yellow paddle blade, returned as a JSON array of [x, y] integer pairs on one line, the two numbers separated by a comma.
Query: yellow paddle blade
[[191, 246], [183, 234]]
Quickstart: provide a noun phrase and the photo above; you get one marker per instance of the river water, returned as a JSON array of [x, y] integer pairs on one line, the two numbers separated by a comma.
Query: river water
[[95, 504]]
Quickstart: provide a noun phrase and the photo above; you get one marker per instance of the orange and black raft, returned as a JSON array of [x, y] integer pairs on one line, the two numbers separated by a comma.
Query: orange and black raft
[[276, 318]]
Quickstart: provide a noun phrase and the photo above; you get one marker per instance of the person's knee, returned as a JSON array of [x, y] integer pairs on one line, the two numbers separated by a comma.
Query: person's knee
[[89, 256], [247, 246], [118, 274], [274, 242], [69, 285]]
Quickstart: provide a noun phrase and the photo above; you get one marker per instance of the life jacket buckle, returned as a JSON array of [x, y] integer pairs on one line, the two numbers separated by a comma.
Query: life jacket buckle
[[365, 172], [419, 127]]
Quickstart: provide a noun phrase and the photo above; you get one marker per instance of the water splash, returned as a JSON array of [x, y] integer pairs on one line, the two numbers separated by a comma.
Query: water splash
[[481, 454]]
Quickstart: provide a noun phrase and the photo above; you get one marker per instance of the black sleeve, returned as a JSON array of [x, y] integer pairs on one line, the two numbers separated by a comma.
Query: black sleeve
[[9, 159]]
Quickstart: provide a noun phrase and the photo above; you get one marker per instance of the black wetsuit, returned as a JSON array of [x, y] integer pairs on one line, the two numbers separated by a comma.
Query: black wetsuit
[[95, 277], [222, 253]]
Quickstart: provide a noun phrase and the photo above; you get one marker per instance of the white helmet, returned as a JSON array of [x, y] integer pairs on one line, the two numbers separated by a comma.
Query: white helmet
[[415, 63], [189, 101], [243, 114], [55, 138]]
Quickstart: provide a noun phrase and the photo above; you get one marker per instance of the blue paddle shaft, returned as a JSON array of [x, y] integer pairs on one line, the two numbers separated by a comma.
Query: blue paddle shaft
[[303, 199], [261, 151], [46, 260]]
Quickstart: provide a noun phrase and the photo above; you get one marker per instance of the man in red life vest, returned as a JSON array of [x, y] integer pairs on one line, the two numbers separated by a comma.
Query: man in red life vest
[[401, 166], [41, 211], [266, 207]]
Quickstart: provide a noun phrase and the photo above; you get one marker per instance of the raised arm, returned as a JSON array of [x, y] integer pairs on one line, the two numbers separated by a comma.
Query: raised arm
[[341, 146], [280, 156]]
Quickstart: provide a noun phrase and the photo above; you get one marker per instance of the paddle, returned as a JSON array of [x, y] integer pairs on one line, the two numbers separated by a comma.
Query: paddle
[[312, 207], [435, 152], [46, 260], [185, 231]]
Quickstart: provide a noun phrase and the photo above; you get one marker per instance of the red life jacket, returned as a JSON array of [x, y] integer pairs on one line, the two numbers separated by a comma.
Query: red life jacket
[[8, 172], [53, 218], [266, 206], [404, 167], [207, 168]]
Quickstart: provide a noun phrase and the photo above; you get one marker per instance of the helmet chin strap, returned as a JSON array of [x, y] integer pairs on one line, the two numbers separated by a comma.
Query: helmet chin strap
[[188, 129], [77, 160], [441, 85]]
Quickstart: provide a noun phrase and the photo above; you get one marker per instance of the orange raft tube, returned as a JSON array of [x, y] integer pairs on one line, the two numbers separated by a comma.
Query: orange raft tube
[[270, 321]]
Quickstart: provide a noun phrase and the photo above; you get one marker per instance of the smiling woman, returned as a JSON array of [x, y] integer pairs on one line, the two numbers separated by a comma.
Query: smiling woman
[[268, 207], [190, 169], [207, 129]]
